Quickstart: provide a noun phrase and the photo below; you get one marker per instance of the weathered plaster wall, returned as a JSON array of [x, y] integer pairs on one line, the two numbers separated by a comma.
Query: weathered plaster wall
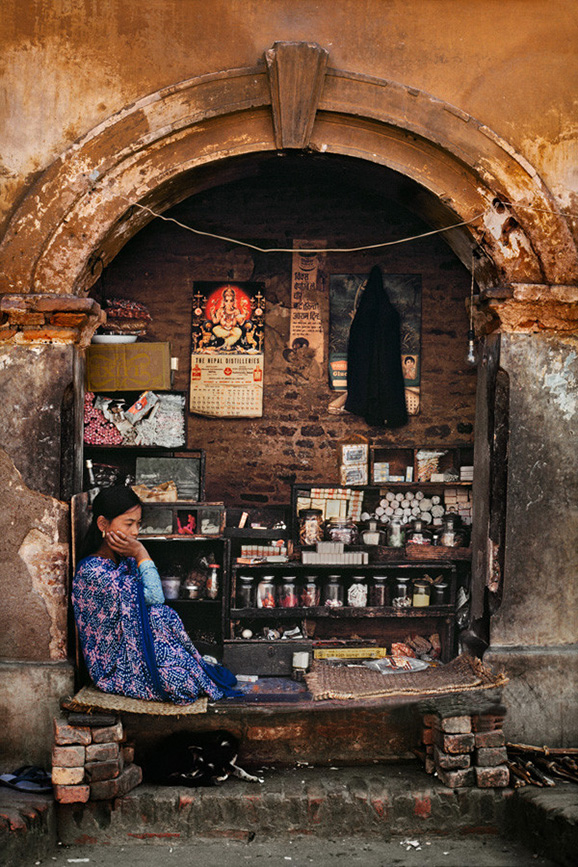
[[534, 633], [95, 57], [250, 460]]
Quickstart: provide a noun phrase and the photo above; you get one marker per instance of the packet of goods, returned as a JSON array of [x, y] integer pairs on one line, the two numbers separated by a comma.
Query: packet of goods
[[163, 493], [141, 407]]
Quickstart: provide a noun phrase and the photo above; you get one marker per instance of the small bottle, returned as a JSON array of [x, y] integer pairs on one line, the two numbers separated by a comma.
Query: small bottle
[[357, 593], [310, 526], [418, 534], [310, 596], [288, 592], [334, 592], [378, 591], [246, 592], [402, 598], [266, 592], [421, 593], [212, 585], [448, 536], [439, 593]]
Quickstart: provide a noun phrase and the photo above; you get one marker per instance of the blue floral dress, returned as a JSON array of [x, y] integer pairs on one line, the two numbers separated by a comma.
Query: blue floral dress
[[106, 609]]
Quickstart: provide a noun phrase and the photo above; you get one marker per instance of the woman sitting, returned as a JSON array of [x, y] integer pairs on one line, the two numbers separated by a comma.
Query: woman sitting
[[133, 644]]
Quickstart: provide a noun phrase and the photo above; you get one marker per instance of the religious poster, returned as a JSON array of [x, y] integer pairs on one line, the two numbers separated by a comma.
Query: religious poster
[[308, 298], [227, 352], [404, 291]]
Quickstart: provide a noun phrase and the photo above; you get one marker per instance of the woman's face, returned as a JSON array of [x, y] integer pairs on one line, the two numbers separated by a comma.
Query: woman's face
[[128, 523]]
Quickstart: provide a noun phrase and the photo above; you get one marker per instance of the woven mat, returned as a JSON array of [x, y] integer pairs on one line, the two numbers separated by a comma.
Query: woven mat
[[326, 681], [90, 698]]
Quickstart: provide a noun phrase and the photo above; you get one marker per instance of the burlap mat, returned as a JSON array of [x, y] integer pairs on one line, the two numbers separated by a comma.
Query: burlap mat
[[89, 698], [326, 681]]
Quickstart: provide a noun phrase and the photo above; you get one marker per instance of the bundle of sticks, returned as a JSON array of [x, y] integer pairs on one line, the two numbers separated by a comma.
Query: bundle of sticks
[[541, 766]]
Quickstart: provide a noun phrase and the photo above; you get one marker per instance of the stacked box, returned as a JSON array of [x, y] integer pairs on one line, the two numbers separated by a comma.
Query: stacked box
[[453, 744], [490, 749], [91, 761]]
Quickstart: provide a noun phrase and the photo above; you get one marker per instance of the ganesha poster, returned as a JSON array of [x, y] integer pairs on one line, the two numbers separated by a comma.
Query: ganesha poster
[[227, 353]]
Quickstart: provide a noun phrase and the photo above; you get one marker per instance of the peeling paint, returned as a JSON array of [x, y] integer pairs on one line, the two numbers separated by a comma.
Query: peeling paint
[[47, 562], [562, 385]]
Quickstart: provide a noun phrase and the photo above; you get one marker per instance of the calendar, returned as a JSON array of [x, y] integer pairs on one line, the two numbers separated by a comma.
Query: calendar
[[227, 386]]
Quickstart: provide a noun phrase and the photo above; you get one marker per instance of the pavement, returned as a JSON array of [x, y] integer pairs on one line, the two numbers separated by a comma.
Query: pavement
[[486, 851]]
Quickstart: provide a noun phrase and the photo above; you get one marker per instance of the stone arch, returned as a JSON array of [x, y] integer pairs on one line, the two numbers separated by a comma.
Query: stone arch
[[152, 153]]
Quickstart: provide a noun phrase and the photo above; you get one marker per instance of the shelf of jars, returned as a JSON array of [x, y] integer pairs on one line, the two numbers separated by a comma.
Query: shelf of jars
[[345, 612]]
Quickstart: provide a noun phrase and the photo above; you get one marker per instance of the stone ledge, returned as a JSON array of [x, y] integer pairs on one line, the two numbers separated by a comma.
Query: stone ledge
[[51, 318]]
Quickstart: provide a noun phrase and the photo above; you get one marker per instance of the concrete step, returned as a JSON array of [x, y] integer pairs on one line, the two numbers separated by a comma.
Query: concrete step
[[27, 825], [374, 801], [547, 820]]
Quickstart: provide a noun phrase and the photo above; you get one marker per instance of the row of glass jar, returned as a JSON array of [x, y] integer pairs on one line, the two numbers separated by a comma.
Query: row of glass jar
[[395, 534], [359, 591]]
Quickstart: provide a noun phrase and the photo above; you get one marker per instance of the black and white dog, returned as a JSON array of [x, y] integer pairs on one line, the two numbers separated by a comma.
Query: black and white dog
[[196, 759]]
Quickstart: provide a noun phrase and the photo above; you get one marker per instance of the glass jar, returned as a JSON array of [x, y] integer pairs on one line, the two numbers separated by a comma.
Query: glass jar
[[288, 592], [341, 530], [378, 592], [357, 593], [192, 590], [334, 592], [373, 535], [310, 526], [395, 534], [421, 593], [310, 597], [439, 593], [418, 534], [449, 537], [212, 585], [246, 592], [401, 599], [266, 592]]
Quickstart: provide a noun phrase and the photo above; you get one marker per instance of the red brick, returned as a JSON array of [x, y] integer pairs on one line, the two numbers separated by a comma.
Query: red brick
[[455, 725], [430, 719], [454, 743], [7, 333], [427, 736], [25, 317], [127, 751], [108, 789], [65, 734], [13, 302], [68, 757], [451, 763], [67, 776], [457, 779], [102, 753], [486, 722], [72, 319], [72, 794], [108, 734], [49, 332], [492, 778], [62, 302], [491, 757], [97, 771], [495, 738]]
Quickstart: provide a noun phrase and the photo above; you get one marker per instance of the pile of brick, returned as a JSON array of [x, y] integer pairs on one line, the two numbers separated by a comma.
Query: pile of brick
[[466, 750], [91, 760]]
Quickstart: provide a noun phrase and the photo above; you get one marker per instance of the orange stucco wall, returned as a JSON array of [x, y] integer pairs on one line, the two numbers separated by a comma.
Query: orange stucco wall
[[67, 65]]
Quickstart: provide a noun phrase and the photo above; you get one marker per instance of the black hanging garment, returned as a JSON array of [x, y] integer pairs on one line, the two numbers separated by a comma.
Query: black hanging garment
[[375, 388]]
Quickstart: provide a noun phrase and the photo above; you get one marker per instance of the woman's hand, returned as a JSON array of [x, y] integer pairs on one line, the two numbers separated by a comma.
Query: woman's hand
[[126, 546]]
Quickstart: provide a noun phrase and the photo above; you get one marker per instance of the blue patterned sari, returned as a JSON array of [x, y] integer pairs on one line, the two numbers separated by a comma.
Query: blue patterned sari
[[120, 656]]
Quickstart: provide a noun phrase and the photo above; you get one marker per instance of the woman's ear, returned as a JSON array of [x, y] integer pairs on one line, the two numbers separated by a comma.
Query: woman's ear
[[102, 524]]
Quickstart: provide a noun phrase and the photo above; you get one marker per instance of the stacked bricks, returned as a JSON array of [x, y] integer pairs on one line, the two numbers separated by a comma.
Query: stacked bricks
[[466, 750], [29, 319], [490, 749], [91, 762]]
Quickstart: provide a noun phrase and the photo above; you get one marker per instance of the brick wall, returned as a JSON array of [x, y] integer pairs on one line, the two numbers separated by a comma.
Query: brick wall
[[250, 460]]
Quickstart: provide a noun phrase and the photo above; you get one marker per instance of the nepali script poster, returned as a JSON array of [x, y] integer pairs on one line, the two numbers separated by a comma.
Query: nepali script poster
[[227, 351], [309, 298]]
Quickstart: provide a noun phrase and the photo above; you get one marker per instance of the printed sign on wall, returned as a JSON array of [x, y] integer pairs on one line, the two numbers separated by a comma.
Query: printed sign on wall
[[308, 298]]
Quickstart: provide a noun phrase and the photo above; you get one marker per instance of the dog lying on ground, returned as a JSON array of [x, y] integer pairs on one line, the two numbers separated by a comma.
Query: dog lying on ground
[[196, 759]]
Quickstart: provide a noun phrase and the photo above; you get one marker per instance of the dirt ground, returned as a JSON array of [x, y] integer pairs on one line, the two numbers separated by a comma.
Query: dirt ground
[[467, 851]]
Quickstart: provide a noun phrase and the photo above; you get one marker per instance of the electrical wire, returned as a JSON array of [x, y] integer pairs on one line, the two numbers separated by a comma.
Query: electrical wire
[[308, 249]]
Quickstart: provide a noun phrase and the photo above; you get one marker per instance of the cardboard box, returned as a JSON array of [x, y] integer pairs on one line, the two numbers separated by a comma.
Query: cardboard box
[[128, 367]]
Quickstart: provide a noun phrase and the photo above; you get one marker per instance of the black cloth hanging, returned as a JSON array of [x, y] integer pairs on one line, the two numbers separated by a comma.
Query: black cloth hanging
[[375, 388]]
